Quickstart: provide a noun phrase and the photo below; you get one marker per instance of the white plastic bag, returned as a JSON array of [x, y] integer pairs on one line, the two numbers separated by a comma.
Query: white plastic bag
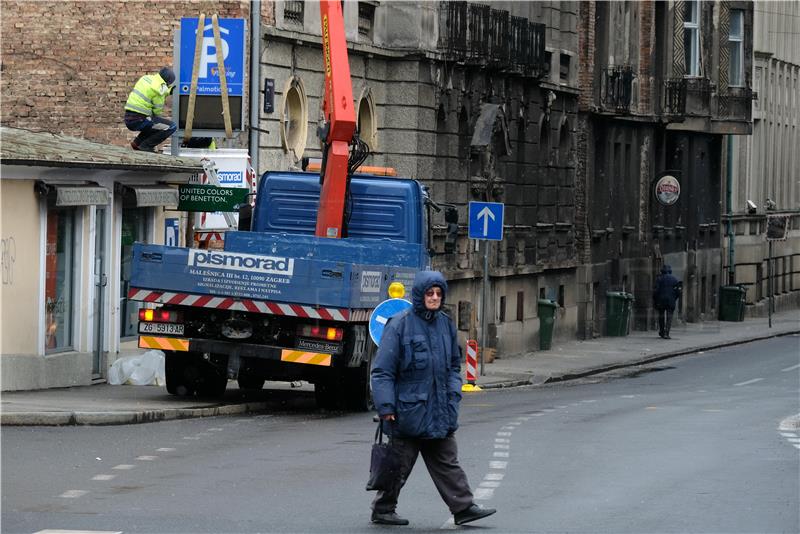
[[140, 370]]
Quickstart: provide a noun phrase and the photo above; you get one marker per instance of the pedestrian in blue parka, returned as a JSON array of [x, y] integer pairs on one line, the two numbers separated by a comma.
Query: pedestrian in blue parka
[[665, 294], [416, 387]]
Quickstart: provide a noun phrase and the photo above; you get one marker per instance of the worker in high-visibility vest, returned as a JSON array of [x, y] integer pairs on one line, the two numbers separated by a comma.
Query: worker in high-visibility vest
[[144, 107]]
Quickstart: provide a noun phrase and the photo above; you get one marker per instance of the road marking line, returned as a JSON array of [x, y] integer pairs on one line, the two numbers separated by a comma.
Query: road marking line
[[500, 454], [792, 368], [793, 440], [494, 476], [507, 427], [215, 429], [147, 458], [104, 477], [489, 484], [502, 440], [60, 531], [784, 434], [190, 437], [73, 494], [504, 433], [748, 382], [590, 400], [123, 467], [165, 449], [797, 446], [628, 396], [497, 464], [502, 446], [483, 494]]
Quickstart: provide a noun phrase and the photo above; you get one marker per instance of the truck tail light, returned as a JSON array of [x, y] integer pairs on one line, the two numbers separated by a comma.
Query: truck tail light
[[160, 316], [320, 332]]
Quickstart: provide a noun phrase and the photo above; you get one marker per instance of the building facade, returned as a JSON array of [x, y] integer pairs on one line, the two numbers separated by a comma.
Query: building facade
[[764, 176], [479, 103], [663, 84]]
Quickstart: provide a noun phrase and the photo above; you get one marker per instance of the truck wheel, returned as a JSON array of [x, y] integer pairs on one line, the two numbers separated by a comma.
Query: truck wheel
[[211, 381], [175, 373], [250, 382], [329, 393], [358, 393]]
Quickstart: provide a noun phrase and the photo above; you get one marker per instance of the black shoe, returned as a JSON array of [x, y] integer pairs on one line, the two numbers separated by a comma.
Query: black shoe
[[667, 336], [473, 513], [388, 518]]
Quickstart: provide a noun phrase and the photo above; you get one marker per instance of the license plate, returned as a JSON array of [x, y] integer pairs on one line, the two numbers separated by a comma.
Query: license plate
[[171, 329]]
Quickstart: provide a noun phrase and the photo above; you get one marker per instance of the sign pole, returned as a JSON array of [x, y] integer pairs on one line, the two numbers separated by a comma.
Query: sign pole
[[770, 284], [483, 302]]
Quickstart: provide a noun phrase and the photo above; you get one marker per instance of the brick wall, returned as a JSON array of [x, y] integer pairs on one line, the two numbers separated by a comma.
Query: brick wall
[[67, 67], [586, 49], [646, 73]]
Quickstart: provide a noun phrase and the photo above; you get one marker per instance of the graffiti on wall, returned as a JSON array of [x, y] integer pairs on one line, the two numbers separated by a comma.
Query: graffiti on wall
[[8, 255]]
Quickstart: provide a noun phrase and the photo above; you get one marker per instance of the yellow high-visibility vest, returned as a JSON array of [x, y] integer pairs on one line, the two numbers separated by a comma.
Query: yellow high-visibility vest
[[148, 95]]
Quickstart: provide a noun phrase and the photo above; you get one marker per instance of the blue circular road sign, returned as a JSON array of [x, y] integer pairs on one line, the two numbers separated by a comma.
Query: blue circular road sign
[[381, 314]]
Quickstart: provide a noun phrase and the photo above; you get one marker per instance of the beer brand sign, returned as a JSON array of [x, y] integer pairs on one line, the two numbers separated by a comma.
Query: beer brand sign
[[668, 190]]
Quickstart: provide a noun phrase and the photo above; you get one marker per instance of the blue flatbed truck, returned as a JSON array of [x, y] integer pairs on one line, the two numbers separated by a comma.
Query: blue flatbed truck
[[278, 302]]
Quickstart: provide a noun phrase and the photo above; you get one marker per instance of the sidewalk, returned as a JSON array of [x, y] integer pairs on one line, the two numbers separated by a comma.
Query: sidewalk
[[103, 404]]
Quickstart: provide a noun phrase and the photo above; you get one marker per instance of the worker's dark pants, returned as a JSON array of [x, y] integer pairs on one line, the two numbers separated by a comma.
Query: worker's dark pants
[[152, 130], [441, 459], [664, 321]]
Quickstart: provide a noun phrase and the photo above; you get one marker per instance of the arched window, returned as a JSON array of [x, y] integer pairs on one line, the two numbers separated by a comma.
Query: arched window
[[367, 120]]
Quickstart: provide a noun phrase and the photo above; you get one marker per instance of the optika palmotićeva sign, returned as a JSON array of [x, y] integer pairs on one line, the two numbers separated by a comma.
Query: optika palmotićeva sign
[[668, 190]]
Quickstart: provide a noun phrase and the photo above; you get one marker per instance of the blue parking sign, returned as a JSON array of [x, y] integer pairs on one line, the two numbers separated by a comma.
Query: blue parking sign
[[232, 35]]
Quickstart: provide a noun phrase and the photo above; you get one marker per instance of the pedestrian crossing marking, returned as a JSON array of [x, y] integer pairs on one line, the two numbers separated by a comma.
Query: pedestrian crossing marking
[[61, 531]]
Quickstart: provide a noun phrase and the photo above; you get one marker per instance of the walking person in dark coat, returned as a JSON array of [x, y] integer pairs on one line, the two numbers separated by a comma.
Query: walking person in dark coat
[[416, 385], [665, 294]]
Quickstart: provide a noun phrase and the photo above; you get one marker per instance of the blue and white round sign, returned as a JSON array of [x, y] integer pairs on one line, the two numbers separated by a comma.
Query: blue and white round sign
[[381, 314]]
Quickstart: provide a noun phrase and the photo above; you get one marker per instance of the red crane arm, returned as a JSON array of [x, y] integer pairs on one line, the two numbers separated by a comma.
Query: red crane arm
[[340, 118]]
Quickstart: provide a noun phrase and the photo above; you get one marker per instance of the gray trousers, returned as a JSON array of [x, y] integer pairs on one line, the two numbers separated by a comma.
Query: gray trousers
[[441, 459]]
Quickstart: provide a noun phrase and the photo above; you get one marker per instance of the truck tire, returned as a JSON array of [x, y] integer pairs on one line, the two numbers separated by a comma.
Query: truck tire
[[175, 374], [251, 383], [329, 393]]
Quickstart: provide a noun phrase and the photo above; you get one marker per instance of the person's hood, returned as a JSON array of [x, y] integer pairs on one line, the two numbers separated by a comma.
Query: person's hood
[[666, 269], [423, 281]]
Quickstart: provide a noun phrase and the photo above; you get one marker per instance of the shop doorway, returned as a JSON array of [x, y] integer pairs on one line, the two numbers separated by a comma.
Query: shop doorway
[[101, 283]]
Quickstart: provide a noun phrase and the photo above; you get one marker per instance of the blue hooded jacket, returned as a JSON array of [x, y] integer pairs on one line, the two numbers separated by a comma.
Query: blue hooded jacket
[[665, 293], [416, 374]]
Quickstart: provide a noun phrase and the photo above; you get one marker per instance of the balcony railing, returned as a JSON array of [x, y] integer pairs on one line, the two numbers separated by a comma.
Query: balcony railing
[[616, 88], [478, 33], [675, 96], [737, 103]]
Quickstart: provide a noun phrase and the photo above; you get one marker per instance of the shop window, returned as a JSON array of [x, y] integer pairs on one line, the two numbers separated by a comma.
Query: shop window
[[59, 278], [691, 37], [135, 226], [736, 47]]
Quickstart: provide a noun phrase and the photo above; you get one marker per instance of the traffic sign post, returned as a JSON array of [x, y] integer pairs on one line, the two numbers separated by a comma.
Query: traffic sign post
[[381, 315], [485, 223]]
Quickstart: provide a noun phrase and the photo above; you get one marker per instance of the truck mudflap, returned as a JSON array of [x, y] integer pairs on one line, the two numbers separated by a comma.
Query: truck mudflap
[[234, 351]]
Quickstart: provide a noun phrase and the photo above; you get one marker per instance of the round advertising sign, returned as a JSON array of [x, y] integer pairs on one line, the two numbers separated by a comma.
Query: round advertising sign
[[668, 190]]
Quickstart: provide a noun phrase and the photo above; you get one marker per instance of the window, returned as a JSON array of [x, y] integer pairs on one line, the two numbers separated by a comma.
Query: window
[[502, 310], [294, 118], [293, 12], [59, 276], [563, 73], [134, 228], [691, 37], [366, 124], [520, 305], [366, 20], [736, 47]]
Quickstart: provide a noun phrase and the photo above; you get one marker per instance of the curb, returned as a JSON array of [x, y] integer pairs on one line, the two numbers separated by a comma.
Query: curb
[[124, 418]]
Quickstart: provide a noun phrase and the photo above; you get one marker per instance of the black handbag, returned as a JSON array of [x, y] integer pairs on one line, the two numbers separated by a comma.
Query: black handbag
[[384, 466]]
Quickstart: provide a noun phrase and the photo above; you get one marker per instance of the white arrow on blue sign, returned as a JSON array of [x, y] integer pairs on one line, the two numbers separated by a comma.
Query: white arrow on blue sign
[[381, 315], [486, 220]]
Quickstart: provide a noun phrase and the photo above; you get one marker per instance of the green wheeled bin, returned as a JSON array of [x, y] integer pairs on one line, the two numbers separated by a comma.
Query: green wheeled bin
[[618, 312], [731, 303], [547, 320]]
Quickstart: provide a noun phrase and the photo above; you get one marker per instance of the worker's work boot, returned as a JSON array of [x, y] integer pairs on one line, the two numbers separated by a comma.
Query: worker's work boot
[[473, 513], [388, 518]]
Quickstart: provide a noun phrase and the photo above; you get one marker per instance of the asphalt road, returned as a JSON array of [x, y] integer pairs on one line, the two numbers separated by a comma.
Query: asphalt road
[[692, 444]]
